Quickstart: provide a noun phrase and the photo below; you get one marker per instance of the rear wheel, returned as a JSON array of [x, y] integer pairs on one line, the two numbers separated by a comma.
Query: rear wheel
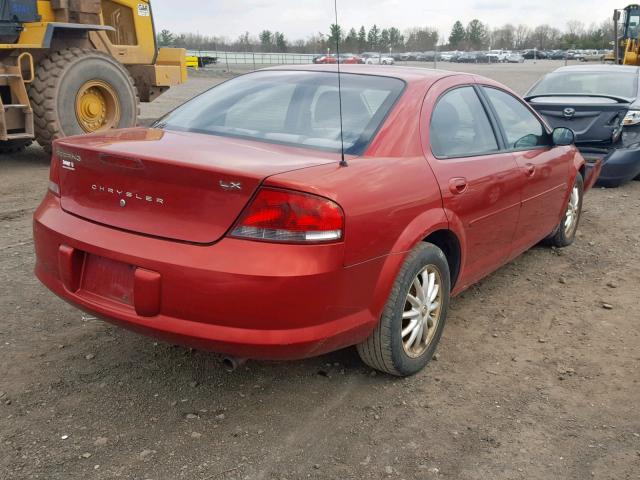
[[411, 325], [565, 232], [79, 91], [14, 146]]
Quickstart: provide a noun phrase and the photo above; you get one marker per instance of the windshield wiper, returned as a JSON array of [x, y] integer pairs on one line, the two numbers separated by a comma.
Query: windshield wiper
[[595, 95]]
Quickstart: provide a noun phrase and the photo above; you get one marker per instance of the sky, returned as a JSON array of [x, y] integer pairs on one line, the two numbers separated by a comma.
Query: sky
[[301, 18]]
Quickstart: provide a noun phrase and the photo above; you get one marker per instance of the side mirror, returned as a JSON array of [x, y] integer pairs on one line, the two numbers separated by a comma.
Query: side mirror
[[563, 136]]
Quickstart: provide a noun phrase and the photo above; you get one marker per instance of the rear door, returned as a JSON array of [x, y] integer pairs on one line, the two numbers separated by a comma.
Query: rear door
[[545, 169], [480, 184]]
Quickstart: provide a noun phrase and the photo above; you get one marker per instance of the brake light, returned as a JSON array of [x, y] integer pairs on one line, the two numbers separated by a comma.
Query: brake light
[[290, 217], [54, 175]]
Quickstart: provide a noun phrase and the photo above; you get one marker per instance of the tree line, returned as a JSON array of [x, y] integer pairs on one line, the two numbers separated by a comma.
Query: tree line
[[476, 35]]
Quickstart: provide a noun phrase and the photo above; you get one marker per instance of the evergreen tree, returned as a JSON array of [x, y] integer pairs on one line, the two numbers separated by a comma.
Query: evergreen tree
[[351, 41], [362, 39], [383, 46], [335, 36], [477, 34], [457, 36], [281, 42], [165, 38], [373, 38], [396, 40], [266, 40]]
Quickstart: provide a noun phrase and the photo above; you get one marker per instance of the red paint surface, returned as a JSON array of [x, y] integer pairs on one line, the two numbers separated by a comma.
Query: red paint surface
[[191, 283]]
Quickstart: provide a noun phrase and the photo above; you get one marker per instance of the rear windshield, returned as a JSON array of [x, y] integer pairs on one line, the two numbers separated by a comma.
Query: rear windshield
[[292, 107], [624, 85]]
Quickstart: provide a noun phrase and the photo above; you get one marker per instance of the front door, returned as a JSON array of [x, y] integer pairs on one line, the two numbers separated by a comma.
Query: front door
[[544, 168]]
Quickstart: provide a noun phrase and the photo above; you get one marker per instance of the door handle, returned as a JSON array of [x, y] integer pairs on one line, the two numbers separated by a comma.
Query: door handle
[[529, 169], [458, 185]]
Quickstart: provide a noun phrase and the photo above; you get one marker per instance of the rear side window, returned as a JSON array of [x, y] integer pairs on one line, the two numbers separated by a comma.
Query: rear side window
[[522, 128], [262, 110], [292, 107], [460, 126]]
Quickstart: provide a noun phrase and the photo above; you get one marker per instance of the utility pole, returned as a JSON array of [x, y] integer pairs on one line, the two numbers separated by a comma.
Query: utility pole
[[435, 57], [616, 52]]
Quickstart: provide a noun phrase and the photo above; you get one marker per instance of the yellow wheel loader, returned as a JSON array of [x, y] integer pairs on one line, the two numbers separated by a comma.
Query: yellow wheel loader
[[627, 44], [78, 66]]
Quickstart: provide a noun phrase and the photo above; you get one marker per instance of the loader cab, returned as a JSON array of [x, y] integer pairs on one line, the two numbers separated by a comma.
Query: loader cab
[[13, 13], [631, 22]]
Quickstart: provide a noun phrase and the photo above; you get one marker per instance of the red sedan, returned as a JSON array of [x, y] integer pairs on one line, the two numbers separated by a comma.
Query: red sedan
[[234, 225], [325, 59]]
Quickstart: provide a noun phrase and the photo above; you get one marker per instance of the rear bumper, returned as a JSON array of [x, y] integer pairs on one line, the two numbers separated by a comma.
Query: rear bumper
[[248, 299], [618, 166]]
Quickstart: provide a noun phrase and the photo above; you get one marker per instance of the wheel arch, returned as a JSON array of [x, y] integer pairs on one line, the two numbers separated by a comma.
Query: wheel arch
[[68, 33], [447, 241], [431, 226]]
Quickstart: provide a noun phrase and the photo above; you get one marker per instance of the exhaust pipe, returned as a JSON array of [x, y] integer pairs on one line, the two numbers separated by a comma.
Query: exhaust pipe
[[230, 364]]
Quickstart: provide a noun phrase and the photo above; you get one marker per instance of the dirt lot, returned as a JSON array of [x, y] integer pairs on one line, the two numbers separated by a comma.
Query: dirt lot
[[534, 379]]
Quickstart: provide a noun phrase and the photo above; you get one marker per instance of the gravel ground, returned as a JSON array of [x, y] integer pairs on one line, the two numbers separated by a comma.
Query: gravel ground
[[536, 376]]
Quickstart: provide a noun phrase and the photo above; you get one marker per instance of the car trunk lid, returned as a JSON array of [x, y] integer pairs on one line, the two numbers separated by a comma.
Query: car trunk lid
[[180, 186], [594, 120]]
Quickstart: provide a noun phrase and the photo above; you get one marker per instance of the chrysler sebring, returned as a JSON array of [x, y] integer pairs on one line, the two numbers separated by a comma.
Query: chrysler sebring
[[278, 217]]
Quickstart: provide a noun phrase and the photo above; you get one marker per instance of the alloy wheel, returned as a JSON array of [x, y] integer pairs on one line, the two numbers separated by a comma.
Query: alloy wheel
[[422, 311], [571, 217]]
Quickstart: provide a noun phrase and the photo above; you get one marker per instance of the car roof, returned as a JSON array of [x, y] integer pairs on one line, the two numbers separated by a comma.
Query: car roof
[[600, 68], [408, 74]]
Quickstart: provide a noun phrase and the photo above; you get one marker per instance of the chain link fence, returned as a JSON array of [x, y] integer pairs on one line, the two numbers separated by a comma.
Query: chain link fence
[[253, 59]]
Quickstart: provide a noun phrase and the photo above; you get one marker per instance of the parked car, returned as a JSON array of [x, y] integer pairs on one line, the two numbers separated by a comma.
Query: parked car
[[409, 56], [601, 104], [515, 58], [534, 54], [498, 56], [349, 58], [558, 55], [324, 59], [473, 57], [379, 60], [259, 243], [468, 57], [447, 56], [428, 56], [589, 56]]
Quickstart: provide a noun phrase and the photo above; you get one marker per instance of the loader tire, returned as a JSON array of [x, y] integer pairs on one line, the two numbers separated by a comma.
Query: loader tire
[[14, 146], [78, 91]]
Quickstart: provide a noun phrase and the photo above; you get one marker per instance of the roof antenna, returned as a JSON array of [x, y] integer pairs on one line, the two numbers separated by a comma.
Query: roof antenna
[[343, 161]]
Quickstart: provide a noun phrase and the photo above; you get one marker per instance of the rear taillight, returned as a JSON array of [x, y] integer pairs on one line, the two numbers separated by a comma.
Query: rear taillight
[[54, 175], [290, 217]]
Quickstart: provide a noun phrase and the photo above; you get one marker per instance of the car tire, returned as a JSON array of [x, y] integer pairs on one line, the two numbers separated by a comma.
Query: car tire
[[62, 76], [565, 234], [387, 349]]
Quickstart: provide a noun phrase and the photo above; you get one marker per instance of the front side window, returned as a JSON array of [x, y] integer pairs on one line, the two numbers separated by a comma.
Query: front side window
[[522, 128], [292, 107], [460, 126]]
